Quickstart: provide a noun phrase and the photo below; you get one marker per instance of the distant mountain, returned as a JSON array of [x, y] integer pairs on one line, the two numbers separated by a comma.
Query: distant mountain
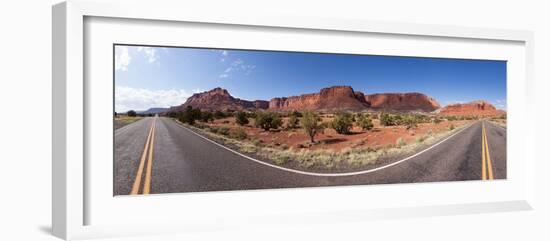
[[219, 99], [327, 99], [156, 110], [479, 108]]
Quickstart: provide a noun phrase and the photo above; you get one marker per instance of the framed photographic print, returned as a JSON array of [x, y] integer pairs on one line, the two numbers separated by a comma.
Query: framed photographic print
[[197, 121], [306, 118]]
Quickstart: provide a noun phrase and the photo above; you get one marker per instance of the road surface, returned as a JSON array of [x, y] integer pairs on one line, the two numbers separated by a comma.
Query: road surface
[[158, 155]]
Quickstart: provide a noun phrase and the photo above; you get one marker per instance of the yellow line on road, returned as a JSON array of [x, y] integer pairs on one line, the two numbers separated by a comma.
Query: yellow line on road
[[489, 162], [487, 166], [147, 184], [483, 160], [139, 174]]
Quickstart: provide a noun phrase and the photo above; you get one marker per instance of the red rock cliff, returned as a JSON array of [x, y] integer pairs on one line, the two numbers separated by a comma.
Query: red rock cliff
[[327, 99], [332, 98], [220, 99], [479, 108], [402, 102]]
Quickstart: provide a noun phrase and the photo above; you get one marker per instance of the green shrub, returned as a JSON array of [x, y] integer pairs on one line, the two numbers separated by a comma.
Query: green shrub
[[421, 139], [131, 113], [422, 118], [241, 119], [238, 133], [207, 116], [257, 142], [251, 114], [297, 114], [224, 131], [268, 120], [364, 121], [437, 120], [293, 122], [312, 125], [173, 114], [342, 122], [452, 118], [400, 142], [410, 121], [214, 129], [190, 115], [200, 126], [387, 120], [219, 115]]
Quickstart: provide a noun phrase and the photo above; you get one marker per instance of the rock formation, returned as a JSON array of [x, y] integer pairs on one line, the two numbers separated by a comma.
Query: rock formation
[[332, 98], [402, 102], [478, 108], [220, 99]]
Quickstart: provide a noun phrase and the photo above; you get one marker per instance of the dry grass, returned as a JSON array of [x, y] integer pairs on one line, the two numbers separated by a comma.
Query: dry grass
[[499, 122], [121, 121]]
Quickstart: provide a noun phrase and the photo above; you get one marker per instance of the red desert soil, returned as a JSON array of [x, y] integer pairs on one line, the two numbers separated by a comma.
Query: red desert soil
[[378, 137]]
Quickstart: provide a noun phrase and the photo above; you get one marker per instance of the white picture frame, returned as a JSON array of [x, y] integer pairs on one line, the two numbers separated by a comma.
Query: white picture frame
[[72, 191]]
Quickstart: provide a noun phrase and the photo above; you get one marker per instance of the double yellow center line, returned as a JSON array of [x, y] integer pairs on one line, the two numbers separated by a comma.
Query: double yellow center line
[[486, 164], [146, 155]]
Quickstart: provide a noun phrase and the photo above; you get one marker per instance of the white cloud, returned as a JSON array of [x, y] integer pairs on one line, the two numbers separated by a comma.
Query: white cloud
[[151, 53], [237, 62], [248, 68], [455, 102], [128, 98], [122, 58], [236, 66]]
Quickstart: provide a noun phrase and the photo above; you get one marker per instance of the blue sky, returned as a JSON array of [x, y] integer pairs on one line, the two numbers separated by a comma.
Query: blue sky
[[161, 77]]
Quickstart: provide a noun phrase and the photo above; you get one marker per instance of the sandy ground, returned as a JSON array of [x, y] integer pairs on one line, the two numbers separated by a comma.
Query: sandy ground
[[378, 137]]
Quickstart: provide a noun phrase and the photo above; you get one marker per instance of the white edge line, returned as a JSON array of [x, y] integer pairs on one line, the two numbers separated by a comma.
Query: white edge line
[[343, 174], [497, 125]]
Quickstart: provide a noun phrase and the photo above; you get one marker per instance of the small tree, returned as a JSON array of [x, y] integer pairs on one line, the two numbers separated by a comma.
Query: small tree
[[173, 114], [293, 122], [386, 119], [190, 115], [410, 121], [296, 113], [342, 122], [241, 119], [207, 116], [276, 121], [219, 115], [268, 120], [131, 113], [311, 123], [365, 122]]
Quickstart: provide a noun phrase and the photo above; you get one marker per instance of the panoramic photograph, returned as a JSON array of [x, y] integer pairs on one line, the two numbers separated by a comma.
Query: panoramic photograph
[[192, 119]]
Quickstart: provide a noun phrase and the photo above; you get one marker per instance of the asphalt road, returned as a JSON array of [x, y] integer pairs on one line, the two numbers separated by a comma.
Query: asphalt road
[[181, 161]]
